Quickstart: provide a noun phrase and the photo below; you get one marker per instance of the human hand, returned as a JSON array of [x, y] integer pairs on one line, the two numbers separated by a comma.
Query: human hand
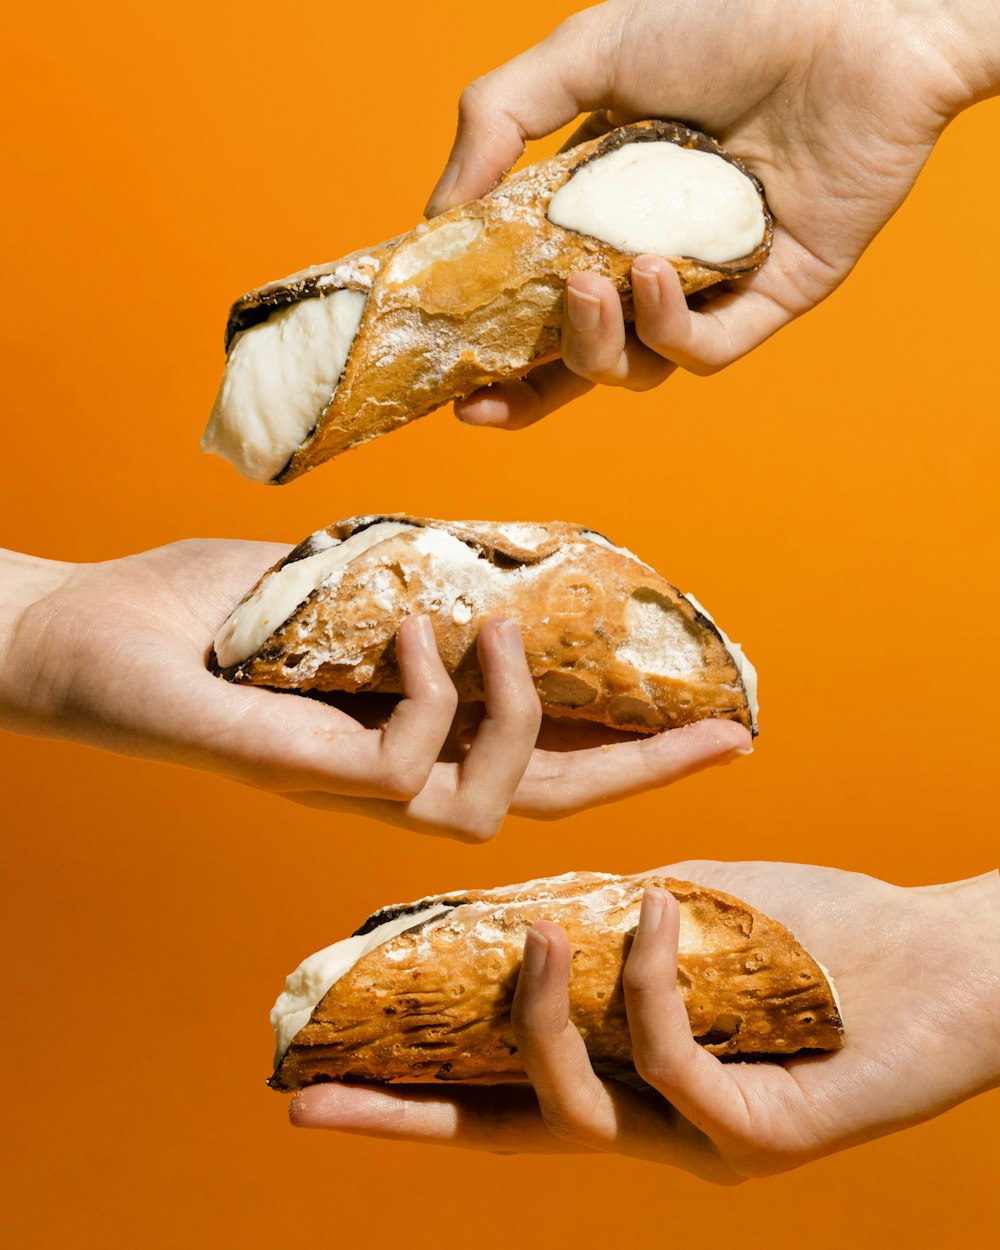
[[918, 975], [834, 106], [114, 654]]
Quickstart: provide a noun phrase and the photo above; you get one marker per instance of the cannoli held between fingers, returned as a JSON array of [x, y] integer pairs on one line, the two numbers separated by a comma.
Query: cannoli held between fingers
[[606, 638], [337, 354], [423, 992]]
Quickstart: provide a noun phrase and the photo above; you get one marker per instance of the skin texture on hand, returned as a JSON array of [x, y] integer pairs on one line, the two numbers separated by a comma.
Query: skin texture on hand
[[113, 655], [918, 975], [834, 106]]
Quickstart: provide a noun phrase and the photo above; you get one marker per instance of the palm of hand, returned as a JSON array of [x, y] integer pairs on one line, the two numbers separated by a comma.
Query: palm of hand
[[897, 961], [825, 111]]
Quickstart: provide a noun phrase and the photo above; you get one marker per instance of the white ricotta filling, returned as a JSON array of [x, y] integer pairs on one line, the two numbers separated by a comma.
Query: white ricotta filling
[[312, 979], [279, 377], [665, 200], [747, 672], [833, 987], [272, 603]]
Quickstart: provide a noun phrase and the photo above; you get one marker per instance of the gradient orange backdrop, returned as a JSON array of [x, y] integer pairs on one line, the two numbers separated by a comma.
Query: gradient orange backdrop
[[833, 499]]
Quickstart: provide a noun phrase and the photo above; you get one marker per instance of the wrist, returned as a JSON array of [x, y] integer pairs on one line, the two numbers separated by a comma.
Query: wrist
[[964, 37], [971, 911], [26, 582]]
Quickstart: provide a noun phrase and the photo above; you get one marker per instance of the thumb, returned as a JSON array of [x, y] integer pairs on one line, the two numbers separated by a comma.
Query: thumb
[[568, 73]]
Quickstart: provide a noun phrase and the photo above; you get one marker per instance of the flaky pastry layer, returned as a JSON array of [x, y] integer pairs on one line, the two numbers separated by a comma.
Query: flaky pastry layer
[[433, 1004], [607, 639], [470, 298]]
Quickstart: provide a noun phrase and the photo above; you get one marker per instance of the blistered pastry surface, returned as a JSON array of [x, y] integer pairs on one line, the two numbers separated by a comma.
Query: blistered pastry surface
[[472, 297], [588, 613], [433, 1004]]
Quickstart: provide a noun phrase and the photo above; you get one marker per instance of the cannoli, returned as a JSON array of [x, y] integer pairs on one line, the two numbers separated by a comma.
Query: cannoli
[[422, 992], [606, 638], [337, 354]]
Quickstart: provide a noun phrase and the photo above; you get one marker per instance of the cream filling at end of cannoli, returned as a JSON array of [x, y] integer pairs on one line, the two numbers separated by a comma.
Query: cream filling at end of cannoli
[[272, 603], [833, 987], [747, 672], [665, 200], [280, 375], [306, 987]]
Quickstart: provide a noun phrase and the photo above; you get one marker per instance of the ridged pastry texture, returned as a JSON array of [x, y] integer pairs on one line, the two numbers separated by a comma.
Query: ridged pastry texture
[[470, 298], [433, 1004], [607, 639]]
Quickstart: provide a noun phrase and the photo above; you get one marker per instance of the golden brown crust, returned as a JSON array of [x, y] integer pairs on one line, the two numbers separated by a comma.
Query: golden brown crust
[[589, 613], [433, 1004], [434, 330]]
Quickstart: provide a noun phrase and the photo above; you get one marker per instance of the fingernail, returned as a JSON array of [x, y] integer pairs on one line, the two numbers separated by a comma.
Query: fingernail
[[654, 904], [646, 275], [439, 196], [510, 638], [423, 629], [648, 266], [480, 409], [583, 309], [536, 952]]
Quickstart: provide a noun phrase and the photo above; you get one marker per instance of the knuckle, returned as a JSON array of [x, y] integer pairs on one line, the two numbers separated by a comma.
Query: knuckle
[[526, 714], [567, 1126], [474, 98], [704, 366], [644, 382], [579, 1123], [572, 27], [480, 829], [403, 780], [442, 693], [654, 1070], [637, 978], [593, 366], [520, 711]]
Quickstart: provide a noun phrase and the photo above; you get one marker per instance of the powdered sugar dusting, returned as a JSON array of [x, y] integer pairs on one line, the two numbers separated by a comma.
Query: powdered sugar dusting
[[660, 640], [527, 536]]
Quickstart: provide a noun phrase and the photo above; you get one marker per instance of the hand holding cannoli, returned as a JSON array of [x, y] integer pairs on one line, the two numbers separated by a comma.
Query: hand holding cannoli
[[916, 972], [340, 353], [423, 991], [113, 655], [836, 108]]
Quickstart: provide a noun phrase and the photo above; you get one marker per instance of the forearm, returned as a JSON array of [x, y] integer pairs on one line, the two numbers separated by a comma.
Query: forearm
[[26, 582]]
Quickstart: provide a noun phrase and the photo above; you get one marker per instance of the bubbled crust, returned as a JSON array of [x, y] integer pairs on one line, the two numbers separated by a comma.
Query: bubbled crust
[[434, 331], [433, 1004], [570, 594]]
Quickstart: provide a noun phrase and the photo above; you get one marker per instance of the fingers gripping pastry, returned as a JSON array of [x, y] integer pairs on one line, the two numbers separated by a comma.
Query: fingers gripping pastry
[[422, 992], [606, 638], [340, 353]]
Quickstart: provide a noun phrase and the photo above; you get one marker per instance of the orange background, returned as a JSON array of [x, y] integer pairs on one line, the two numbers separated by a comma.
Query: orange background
[[833, 499]]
